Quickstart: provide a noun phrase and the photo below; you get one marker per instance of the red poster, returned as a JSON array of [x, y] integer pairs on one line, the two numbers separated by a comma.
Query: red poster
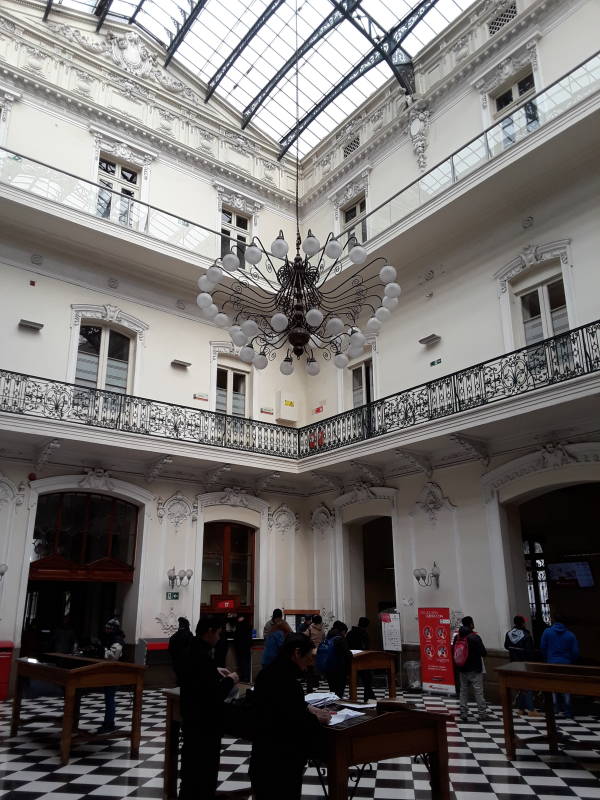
[[437, 670]]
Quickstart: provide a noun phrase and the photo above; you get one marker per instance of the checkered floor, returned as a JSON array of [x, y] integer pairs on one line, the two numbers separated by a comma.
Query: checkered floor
[[30, 769]]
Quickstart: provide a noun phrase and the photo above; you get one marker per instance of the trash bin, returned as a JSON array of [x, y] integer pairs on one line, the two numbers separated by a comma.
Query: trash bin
[[413, 674], [6, 654]]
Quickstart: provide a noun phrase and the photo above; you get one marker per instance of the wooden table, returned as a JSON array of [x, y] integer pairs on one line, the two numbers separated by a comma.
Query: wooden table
[[372, 659], [546, 678], [389, 731], [76, 674]]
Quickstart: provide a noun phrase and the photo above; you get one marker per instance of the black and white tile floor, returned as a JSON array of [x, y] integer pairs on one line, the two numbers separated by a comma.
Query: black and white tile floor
[[102, 770]]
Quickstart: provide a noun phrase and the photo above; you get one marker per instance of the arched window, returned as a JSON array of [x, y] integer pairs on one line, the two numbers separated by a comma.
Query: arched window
[[537, 584], [83, 536], [228, 568]]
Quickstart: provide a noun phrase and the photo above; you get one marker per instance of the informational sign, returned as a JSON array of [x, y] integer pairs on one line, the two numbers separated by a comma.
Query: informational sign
[[172, 595], [437, 669], [390, 631], [571, 573]]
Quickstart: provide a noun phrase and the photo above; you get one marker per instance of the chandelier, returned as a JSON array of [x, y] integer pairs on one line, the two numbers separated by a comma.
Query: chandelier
[[288, 307]]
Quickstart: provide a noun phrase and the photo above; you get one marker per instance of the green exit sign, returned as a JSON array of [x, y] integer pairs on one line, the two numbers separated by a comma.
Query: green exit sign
[[435, 363], [172, 595]]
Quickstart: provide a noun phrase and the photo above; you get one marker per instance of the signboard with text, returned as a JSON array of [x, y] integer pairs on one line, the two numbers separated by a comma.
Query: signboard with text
[[437, 669], [391, 633]]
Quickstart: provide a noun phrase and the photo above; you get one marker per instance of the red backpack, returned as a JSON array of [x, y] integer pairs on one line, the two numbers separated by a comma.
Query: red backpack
[[461, 651]]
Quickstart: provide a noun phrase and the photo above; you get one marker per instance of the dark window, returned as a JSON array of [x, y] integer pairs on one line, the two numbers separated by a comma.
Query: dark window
[[504, 99], [129, 175], [107, 166], [526, 84], [228, 562]]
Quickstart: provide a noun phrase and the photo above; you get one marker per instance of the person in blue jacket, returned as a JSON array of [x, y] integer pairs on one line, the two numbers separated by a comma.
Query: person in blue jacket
[[560, 646]]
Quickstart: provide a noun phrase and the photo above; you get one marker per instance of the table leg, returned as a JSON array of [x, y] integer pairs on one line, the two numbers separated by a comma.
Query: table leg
[[337, 779], [440, 777], [392, 681], [353, 684], [550, 722], [136, 720], [507, 719], [67, 725], [16, 712]]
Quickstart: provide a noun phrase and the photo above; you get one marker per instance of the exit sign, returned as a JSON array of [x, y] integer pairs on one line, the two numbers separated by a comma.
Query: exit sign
[[172, 595]]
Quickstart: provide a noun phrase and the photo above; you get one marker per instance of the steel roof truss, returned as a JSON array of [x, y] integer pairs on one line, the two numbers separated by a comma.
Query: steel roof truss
[[180, 35]]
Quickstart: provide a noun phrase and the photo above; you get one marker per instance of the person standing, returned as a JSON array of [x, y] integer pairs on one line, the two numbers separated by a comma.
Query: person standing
[[316, 634], [358, 639], [112, 640], [204, 688], [179, 647], [276, 623], [287, 729], [469, 652], [560, 646], [242, 643], [519, 643], [338, 658], [274, 633]]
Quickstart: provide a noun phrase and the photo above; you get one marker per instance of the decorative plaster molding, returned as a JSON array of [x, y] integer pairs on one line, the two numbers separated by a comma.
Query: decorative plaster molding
[[530, 256], [283, 520], [45, 453], [473, 447], [215, 476], [322, 519], [262, 483], [432, 500], [550, 456], [97, 479], [167, 621], [363, 492], [232, 197], [368, 473], [235, 496], [356, 186], [8, 491], [108, 313], [417, 460], [177, 509], [156, 468], [109, 143], [507, 68], [419, 115], [328, 481]]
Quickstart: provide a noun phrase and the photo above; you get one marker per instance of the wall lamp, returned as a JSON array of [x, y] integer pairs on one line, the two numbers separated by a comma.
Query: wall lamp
[[431, 579], [181, 578]]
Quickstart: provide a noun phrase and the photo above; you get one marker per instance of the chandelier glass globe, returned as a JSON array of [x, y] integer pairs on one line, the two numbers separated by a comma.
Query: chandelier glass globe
[[253, 254], [333, 248], [287, 366], [222, 320], [230, 262], [238, 337], [247, 354], [383, 314], [341, 360], [389, 302], [387, 274], [214, 273], [373, 325], [314, 317], [392, 289], [279, 322], [204, 300], [205, 284], [312, 367], [249, 328], [210, 312], [260, 361], [280, 247], [311, 244]]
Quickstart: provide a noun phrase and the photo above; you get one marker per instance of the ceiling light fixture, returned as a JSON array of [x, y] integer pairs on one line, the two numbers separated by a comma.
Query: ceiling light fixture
[[287, 307]]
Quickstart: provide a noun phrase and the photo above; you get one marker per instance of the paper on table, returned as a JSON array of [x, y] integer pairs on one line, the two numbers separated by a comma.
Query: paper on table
[[357, 705], [355, 652], [343, 715]]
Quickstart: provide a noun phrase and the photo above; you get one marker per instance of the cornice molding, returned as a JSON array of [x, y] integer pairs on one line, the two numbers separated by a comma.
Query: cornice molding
[[530, 256]]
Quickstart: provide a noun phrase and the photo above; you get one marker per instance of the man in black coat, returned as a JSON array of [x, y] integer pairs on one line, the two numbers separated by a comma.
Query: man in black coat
[[204, 688], [179, 647], [358, 639], [286, 730]]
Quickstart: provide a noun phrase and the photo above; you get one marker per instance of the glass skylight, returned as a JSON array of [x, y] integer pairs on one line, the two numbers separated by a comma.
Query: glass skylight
[[222, 25]]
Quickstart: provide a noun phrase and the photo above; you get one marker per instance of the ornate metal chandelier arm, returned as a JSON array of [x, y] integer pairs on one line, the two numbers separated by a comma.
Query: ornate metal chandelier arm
[[251, 279], [277, 341], [362, 301], [268, 254], [245, 291], [353, 275], [236, 301], [357, 291]]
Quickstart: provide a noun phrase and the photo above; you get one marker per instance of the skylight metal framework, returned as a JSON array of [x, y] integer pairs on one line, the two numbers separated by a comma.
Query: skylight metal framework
[[180, 35], [245, 52], [235, 53], [330, 22], [390, 45]]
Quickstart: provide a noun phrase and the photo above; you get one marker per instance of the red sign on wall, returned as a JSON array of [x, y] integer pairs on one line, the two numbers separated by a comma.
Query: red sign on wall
[[437, 669]]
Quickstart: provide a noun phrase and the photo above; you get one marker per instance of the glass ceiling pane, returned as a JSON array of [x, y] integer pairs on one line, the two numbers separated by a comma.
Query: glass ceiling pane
[[221, 26]]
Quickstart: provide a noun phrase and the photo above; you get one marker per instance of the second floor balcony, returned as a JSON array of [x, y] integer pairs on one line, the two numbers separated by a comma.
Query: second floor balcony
[[571, 357]]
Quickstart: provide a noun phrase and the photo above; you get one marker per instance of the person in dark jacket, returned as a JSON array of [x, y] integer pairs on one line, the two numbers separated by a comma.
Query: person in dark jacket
[[358, 639], [287, 730], [560, 646], [519, 643], [179, 647], [339, 665], [242, 643], [112, 640], [471, 672], [204, 688]]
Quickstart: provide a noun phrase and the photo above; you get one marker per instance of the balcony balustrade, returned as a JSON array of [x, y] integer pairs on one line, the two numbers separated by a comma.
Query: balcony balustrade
[[84, 196], [565, 357]]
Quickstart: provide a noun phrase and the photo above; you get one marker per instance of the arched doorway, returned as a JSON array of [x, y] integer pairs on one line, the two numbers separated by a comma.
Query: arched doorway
[[82, 566], [561, 545], [228, 569]]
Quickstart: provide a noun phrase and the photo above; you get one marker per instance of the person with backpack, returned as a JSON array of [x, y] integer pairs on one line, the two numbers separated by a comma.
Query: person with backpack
[[468, 655], [334, 657], [316, 634], [560, 646], [358, 639], [276, 623], [286, 729], [519, 643]]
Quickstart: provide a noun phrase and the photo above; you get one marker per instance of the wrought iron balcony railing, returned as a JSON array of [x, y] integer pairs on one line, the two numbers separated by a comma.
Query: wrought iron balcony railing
[[564, 357], [93, 199]]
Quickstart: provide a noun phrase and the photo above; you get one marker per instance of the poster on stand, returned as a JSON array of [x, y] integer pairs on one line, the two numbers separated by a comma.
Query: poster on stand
[[437, 669], [390, 631]]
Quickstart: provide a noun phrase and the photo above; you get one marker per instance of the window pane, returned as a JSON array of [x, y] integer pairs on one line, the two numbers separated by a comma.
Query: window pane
[[213, 539], [221, 401], [530, 303], [225, 242], [129, 175], [526, 84], [239, 383], [362, 207], [212, 568], [222, 379], [123, 531], [241, 222], [117, 367], [104, 200], [504, 100], [556, 295], [357, 387], [107, 166], [240, 541], [226, 217], [350, 214], [86, 370], [118, 346], [99, 519]]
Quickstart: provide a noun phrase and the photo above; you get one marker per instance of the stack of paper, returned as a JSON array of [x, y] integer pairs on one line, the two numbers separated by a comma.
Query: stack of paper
[[343, 715], [321, 699]]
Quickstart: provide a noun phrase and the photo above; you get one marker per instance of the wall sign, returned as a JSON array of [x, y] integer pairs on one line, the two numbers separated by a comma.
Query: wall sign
[[437, 668], [390, 631], [172, 595]]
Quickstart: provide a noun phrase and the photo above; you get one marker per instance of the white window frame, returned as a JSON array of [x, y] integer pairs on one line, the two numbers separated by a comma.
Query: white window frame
[[107, 328], [123, 322], [235, 231], [344, 376], [123, 204], [231, 371], [366, 389], [358, 222], [545, 312], [536, 264]]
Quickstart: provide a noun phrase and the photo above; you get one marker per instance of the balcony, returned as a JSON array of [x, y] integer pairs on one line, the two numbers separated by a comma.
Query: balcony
[[133, 224], [566, 357]]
